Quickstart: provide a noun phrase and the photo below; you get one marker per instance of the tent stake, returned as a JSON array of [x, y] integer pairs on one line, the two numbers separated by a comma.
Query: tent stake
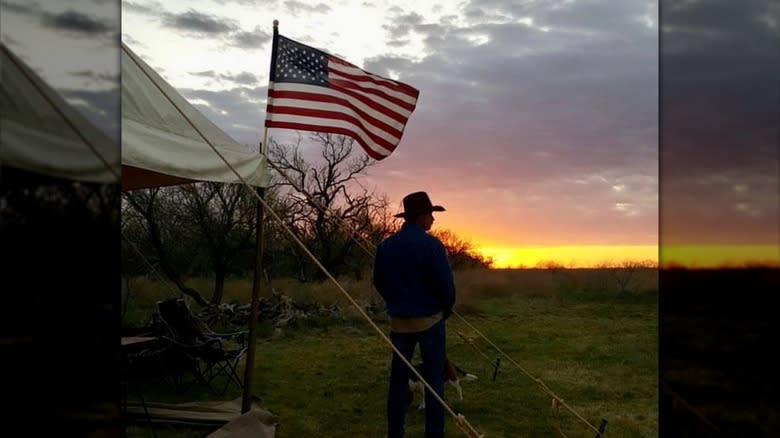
[[602, 427], [495, 368]]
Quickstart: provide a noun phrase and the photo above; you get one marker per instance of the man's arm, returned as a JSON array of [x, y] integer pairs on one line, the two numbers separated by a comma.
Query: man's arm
[[443, 279], [377, 276]]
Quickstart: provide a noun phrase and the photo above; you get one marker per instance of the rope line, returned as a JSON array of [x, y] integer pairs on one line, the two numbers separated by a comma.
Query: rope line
[[544, 387], [468, 341], [460, 420], [539, 381], [154, 270]]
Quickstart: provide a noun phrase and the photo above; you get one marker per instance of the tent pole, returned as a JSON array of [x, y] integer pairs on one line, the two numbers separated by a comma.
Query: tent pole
[[249, 367], [250, 354]]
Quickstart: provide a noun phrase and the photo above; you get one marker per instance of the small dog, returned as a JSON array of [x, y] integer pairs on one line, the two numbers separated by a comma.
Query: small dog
[[452, 375]]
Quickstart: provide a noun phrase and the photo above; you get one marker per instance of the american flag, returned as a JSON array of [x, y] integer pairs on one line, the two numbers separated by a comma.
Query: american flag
[[311, 90]]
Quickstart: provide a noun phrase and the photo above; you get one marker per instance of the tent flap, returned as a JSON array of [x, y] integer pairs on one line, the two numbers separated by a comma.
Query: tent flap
[[158, 138], [40, 132]]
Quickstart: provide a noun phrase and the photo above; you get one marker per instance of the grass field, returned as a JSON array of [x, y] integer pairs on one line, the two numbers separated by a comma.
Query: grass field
[[592, 344]]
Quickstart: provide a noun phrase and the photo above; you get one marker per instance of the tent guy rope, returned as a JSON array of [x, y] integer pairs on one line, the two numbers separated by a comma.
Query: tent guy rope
[[537, 380], [460, 419]]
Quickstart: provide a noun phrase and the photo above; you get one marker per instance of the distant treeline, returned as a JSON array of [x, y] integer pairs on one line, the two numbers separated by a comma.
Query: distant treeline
[[209, 229]]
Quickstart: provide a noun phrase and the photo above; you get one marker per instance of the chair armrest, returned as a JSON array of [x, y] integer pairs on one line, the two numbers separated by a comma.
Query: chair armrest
[[194, 347], [241, 337]]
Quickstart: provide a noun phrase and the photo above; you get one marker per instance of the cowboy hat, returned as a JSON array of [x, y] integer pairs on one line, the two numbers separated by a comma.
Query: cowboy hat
[[416, 204]]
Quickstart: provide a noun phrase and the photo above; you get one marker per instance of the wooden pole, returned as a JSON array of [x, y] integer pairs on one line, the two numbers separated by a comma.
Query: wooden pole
[[246, 402]]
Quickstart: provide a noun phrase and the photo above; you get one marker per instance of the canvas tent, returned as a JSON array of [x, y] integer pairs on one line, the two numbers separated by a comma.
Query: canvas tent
[[43, 134], [58, 173], [167, 141], [159, 145]]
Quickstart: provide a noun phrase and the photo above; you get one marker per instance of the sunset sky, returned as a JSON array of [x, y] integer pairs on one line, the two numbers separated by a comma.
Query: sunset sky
[[537, 125], [720, 132]]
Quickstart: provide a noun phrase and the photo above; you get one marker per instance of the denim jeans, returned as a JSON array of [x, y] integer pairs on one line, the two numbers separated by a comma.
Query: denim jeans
[[432, 351]]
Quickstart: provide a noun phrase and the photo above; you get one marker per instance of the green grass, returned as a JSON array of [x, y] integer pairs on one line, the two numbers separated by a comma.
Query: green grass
[[597, 350]]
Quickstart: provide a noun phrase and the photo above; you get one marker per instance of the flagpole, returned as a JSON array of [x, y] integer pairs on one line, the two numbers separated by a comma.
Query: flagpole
[[249, 366]]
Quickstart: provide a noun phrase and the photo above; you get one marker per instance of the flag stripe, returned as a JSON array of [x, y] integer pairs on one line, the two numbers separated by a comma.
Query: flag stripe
[[321, 94], [388, 108], [345, 65], [335, 104], [312, 90], [337, 127], [342, 84], [390, 88], [380, 140]]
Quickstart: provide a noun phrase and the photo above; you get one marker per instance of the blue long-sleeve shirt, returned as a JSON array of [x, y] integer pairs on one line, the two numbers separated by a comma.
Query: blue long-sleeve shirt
[[413, 274]]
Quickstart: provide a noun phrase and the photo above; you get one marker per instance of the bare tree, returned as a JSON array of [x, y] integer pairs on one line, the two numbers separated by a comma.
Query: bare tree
[[550, 265], [225, 215], [153, 212], [193, 226], [461, 252], [623, 274], [333, 206]]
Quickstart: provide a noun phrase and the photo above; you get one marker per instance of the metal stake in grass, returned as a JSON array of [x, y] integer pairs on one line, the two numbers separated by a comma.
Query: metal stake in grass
[[602, 427]]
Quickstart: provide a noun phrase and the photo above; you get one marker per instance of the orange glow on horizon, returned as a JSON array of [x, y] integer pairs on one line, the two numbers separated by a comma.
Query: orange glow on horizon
[[717, 256], [508, 253], [590, 256], [570, 256]]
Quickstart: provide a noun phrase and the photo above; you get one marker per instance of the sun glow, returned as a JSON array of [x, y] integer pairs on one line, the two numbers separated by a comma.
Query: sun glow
[[713, 256], [585, 256], [588, 256]]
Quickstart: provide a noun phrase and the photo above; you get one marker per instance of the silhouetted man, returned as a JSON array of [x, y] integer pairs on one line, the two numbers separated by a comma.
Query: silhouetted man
[[413, 275]]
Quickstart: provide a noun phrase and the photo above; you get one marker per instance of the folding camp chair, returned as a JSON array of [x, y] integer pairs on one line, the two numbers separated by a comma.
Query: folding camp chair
[[213, 353]]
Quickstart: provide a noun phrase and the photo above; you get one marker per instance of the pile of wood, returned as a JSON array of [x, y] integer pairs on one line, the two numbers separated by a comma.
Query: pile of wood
[[279, 309]]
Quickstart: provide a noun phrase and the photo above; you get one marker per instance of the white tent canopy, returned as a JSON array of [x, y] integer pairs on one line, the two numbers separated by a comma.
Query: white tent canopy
[[160, 147], [41, 133]]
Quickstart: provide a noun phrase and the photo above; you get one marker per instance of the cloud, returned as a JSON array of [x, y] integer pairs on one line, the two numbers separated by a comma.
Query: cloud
[[198, 23], [72, 22], [96, 77], [532, 100], [148, 8], [297, 7], [402, 25], [255, 39], [244, 78], [533, 111], [29, 8], [77, 24], [719, 114], [207, 74], [525, 90], [101, 107], [240, 110], [264, 3]]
